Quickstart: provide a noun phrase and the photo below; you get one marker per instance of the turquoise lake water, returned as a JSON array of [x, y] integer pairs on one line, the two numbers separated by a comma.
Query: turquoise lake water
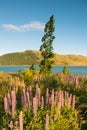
[[76, 70]]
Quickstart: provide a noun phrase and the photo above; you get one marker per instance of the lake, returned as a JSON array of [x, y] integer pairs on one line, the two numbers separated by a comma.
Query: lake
[[76, 70]]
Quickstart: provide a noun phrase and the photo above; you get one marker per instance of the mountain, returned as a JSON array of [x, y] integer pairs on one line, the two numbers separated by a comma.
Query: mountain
[[30, 57]]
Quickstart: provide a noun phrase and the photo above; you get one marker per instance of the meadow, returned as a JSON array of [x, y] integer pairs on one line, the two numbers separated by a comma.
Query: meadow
[[32, 101]]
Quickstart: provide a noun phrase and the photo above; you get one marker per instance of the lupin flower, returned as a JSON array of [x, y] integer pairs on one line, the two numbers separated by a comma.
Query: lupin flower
[[55, 117], [56, 97], [42, 102], [47, 122], [76, 81], [27, 100], [47, 96], [5, 104], [35, 106], [69, 100], [38, 93], [73, 102], [23, 98], [13, 95], [59, 107], [20, 121], [52, 100], [30, 92], [9, 99], [11, 125], [62, 98]]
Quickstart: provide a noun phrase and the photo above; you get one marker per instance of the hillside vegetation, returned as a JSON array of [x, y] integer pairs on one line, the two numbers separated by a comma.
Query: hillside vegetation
[[33, 57]]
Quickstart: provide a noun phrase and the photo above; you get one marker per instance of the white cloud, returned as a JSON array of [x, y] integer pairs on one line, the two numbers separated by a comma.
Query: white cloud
[[26, 27]]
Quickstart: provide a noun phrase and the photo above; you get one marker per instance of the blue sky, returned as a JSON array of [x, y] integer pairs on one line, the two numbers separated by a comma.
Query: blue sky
[[22, 23]]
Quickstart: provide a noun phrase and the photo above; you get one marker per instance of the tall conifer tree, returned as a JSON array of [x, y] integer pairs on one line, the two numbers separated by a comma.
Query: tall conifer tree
[[47, 47]]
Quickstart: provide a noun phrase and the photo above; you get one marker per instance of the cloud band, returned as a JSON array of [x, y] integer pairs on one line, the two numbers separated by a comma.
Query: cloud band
[[26, 27]]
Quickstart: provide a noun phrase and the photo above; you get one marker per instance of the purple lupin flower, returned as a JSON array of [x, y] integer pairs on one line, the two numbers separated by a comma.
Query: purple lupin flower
[[47, 122], [20, 121], [13, 95]]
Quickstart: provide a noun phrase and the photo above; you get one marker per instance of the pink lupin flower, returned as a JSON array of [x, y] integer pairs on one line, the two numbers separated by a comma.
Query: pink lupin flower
[[9, 99], [23, 84], [23, 98], [62, 98], [56, 97], [59, 106], [28, 100], [13, 95], [69, 100], [47, 122], [47, 96], [55, 117], [76, 81], [27, 97], [52, 100], [16, 123], [35, 105], [66, 98], [20, 121], [30, 92], [38, 93], [37, 89], [42, 102], [5, 104], [73, 102], [11, 125]]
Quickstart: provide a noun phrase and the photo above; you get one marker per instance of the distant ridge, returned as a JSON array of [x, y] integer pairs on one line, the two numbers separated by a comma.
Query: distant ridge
[[29, 57]]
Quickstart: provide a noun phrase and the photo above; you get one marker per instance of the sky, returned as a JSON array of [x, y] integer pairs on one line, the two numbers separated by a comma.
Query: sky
[[22, 25]]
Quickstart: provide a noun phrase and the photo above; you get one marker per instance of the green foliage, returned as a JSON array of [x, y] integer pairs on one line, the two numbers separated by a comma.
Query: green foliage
[[65, 70], [32, 67], [32, 123], [65, 121], [46, 48], [30, 75]]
